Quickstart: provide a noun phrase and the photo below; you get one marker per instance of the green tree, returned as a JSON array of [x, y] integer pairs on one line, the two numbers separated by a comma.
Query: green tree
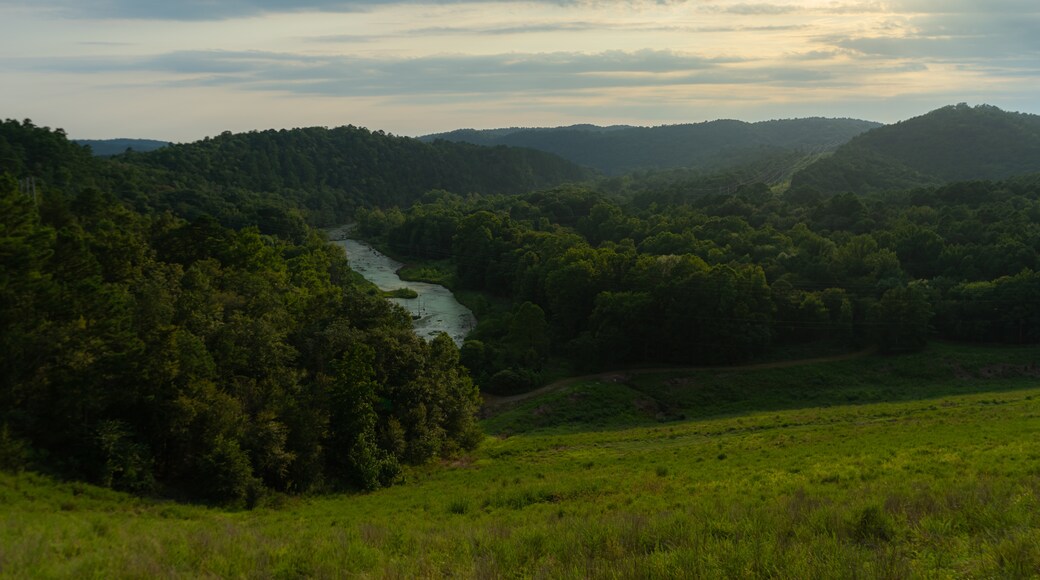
[[528, 336], [900, 320]]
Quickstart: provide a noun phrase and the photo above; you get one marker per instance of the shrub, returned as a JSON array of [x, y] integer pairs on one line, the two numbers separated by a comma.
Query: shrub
[[513, 381]]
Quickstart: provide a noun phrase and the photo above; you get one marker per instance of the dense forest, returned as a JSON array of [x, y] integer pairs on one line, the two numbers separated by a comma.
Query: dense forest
[[156, 354], [327, 173], [955, 143], [602, 280], [704, 146], [283, 180]]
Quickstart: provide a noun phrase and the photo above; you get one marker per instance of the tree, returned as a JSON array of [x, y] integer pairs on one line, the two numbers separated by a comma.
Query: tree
[[353, 449], [528, 336], [900, 320]]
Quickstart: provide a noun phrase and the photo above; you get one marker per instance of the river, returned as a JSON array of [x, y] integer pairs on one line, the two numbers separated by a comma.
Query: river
[[435, 310]]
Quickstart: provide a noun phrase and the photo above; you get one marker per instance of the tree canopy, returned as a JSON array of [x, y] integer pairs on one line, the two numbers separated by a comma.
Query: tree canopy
[[954, 143], [156, 354]]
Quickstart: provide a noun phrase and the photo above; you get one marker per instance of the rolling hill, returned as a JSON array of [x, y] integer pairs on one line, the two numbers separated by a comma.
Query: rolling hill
[[876, 468], [954, 143], [330, 171], [621, 149]]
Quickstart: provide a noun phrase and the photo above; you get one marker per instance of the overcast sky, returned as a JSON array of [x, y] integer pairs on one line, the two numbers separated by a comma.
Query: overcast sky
[[184, 69]]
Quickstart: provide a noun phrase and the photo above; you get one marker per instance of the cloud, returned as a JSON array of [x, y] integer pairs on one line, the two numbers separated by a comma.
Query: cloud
[[583, 26], [949, 35], [856, 8], [353, 76], [989, 7], [817, 55], [775, 9], [191, 9], [196, 10], [521, 28], [344, 38], [756, 9]]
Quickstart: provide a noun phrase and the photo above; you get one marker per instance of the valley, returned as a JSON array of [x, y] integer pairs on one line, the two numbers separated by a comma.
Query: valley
[[804, 365], [540, 289]]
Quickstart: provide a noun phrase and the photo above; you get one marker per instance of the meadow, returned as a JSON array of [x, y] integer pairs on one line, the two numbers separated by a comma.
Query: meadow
[[923, 465]]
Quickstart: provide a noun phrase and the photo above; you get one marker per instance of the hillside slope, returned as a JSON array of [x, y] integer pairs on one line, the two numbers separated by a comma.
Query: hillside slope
[[955, 143], [360, 166], [620, 149], [942, 483], [316, 174]]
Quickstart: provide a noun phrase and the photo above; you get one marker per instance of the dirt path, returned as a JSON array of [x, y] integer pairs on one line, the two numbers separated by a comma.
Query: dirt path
[[491, 401]]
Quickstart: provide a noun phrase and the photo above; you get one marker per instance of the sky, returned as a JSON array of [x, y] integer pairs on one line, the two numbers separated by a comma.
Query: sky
[[180, 70]]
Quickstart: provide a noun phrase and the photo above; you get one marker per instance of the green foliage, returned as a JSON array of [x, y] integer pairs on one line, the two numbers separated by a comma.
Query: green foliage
[[329, 173], [352, 423], [150, 350], [225, 473], [512, 381], [955, 143], [149, 353], [14, 452], [722, 278], [528, 334], [126, 464], [1004, 310], [28, 151], [900, 319]]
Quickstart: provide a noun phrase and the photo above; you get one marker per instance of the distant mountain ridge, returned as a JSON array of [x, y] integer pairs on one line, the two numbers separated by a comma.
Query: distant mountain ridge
[[110, 147], [954, 143], [620, 149]]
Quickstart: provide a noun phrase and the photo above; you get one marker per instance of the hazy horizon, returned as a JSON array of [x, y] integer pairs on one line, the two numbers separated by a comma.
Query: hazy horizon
[[178, 72]]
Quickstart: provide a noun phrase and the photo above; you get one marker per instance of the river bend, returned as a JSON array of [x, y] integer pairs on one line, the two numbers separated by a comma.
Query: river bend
[[435, 310]]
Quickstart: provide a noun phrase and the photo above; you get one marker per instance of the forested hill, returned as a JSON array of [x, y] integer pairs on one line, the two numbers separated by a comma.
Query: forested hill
[[108, 147], [30, 151], [621, 149], [145, 352], [955, 143], [328, 170]]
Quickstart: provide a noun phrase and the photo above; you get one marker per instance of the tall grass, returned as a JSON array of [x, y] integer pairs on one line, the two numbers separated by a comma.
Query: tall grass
[[929, 485]]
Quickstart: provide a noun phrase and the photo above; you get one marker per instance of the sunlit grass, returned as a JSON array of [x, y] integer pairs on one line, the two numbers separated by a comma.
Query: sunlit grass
[[942, 480]]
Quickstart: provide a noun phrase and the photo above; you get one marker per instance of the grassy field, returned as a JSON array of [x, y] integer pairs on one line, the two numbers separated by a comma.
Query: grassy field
[[918, 466]]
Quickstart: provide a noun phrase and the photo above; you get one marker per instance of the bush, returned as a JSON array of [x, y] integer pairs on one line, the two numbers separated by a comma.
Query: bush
[[126, 464], [513, 381], [230, 474]]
